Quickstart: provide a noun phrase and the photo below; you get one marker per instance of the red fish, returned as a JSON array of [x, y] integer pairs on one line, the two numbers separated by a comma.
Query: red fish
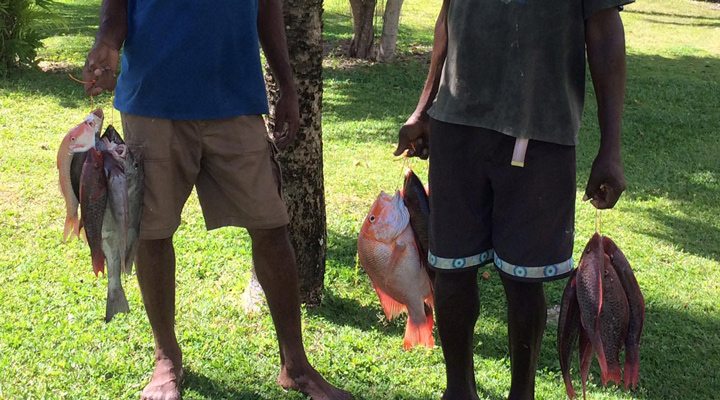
[[79, 139], [93, 200], [416, 200], [389, 254], [613, 322], [636, 304], [568, 330], [590, 295], [606, 295]]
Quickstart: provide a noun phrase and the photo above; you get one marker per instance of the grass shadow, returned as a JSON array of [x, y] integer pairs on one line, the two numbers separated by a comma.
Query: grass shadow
[[195, 382], [56, 85], [70, 19], [670, 147]]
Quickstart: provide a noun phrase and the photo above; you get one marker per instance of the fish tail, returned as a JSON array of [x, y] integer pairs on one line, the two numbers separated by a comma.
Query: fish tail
[[130, 258], [116, 303], [72, 227], [419, 334], [632, 369], [613, 374], [569, 386], [98, 262]]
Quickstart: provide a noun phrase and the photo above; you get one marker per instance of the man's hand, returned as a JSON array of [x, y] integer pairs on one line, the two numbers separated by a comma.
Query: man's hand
[[100, 69], [414, 136], [606, 182], [287, 118]]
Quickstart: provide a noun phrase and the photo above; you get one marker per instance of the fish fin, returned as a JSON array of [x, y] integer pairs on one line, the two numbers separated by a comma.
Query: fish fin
[[390, 306], [585, 358], [116, 303], [568, 330], [398, 252], [421, 334]]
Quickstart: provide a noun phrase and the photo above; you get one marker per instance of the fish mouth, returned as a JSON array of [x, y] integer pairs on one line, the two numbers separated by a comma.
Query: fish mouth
[[98, 113]]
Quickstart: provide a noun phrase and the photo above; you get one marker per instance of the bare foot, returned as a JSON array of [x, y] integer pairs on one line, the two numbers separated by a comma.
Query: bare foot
[[165, 382], [311, 383]]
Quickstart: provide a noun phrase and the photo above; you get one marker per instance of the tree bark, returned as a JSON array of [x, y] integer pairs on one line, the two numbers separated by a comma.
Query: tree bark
[[302, 162], [391, 23], [363, 12]]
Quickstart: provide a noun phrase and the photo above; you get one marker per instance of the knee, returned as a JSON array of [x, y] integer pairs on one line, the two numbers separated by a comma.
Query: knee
[[274, 238], [456, 287]]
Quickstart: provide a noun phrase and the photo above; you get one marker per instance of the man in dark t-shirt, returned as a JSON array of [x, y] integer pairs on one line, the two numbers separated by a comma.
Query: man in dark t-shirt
[[499, 117]]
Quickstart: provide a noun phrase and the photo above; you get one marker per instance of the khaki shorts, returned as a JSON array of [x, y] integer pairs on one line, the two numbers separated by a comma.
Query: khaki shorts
[[231, 162]]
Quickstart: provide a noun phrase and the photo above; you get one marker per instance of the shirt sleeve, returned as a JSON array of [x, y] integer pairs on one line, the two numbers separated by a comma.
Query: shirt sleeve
[[590, 7]]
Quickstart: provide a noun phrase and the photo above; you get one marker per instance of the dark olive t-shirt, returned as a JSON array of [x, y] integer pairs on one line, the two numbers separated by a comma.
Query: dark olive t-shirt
[[517, 66]]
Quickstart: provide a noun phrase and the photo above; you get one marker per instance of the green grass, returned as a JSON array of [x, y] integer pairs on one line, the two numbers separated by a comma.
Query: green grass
[[55, 345]]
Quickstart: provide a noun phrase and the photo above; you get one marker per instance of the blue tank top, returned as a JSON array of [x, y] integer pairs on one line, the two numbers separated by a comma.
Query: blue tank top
[[191, 59]]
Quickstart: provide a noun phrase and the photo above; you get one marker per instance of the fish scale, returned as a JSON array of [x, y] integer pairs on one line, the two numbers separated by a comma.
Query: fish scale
[[614, 322], [612, 310], [636, 310], [388, 252], [568, 330], [93, 200], [590, 294]]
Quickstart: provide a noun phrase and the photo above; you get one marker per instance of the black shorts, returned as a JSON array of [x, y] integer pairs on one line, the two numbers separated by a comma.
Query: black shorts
[[483, 209]]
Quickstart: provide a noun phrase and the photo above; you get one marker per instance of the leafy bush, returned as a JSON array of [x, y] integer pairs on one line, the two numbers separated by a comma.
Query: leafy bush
[[19, 41]]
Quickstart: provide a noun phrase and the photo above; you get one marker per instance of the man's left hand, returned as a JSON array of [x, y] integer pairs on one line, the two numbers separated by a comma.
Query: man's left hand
[[287, 119], [606, 182]]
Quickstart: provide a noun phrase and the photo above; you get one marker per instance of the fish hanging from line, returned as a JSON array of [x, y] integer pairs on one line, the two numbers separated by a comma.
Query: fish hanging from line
[[388, 252], [603, 307]]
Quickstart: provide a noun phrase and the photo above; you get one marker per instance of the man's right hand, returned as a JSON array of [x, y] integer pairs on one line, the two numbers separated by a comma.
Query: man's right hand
[[100, 69], [414, 137]]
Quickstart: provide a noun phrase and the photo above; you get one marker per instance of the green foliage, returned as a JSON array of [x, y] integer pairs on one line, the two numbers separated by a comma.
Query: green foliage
[[19, 39], [55, 345]]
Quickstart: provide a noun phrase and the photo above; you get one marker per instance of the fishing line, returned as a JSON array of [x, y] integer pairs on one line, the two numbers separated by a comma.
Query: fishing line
[[598, 221], [92, 99], [405, 164]]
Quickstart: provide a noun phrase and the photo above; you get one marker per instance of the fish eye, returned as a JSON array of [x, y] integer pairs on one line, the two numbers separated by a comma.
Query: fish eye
[[72, 138], [372, 218]]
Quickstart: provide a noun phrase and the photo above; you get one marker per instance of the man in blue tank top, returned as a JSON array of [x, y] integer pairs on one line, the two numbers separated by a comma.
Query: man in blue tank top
[[192, 94], [499, 117]]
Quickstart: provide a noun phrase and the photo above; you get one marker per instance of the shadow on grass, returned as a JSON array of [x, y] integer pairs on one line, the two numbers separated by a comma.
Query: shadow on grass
[[56, 85], [664, 14], [70, 19], [670, 147], [210, 389]]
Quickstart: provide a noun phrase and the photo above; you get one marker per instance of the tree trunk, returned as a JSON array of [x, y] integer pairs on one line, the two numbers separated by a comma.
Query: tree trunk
[[391, 22], [302, 162], [363, 12]]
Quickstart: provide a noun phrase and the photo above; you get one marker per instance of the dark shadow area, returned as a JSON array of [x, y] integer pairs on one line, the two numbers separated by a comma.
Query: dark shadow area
[[670, 147], [672, 338], [70, 19], [57, 85], [348, 312], [210, 389], [664, 14], [700, 24], [342, 249]]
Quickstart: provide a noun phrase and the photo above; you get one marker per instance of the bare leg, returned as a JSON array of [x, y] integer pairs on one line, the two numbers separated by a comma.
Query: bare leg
[[277, 273], [526, 324], [457, 306], [156, 276]]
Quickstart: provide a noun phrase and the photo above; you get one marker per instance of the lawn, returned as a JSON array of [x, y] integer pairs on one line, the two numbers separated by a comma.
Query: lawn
[[55, 345]]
